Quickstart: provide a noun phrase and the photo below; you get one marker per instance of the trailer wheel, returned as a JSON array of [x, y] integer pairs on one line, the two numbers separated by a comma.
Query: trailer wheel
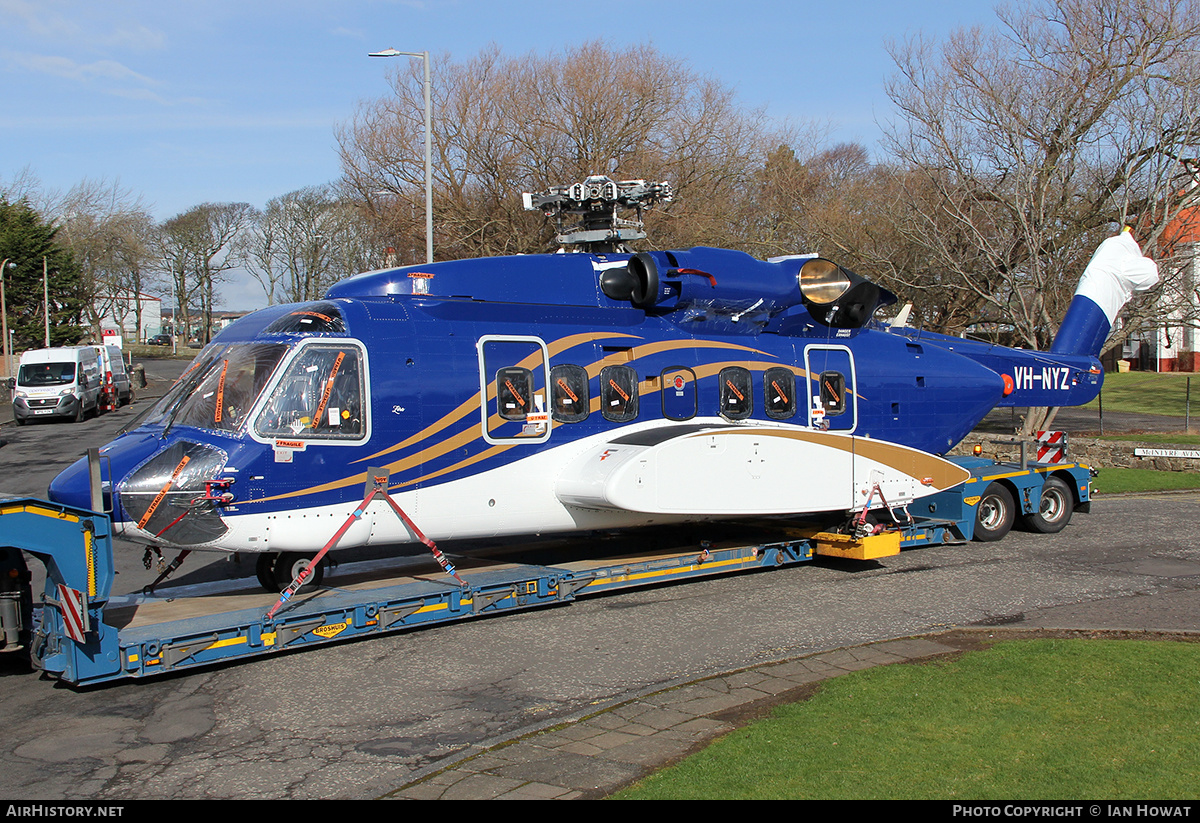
[[1054, 508], [995, 514], [291, 564]]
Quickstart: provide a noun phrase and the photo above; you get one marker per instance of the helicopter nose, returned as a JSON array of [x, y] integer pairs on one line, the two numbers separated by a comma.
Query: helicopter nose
[[72, 487], [166, 495]]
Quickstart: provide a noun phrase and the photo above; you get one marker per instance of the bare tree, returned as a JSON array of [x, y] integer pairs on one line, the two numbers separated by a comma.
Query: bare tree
[[838, 203], [108, 231], [26, 186], [504, 125], [195, 249], [302, 243], [1035, 140], [1032, 142]]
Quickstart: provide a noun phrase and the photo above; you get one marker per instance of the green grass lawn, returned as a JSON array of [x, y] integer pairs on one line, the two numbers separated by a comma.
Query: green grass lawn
[[1037, 719], [1122, 481], [1149, 393]]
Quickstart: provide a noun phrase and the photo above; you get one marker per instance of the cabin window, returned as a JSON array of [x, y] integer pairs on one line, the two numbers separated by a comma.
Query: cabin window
[[833, 392], [779, 393], [321, 395], [514, 381], [619, 393], [514, 393], [569, 396], [737, 400]]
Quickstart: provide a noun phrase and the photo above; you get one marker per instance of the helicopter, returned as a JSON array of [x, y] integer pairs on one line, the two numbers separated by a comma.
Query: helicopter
[[595, 389]]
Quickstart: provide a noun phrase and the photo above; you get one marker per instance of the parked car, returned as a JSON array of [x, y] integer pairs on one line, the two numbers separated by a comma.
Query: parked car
[[159, 340]]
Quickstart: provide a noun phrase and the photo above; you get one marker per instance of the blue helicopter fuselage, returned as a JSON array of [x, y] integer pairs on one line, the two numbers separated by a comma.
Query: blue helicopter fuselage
[[500, 395]]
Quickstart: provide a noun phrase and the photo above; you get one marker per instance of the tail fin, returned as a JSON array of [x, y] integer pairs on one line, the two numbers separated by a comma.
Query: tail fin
[[1115, 272]]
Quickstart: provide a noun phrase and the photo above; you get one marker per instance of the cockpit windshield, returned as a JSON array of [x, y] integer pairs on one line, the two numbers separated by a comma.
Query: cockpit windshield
[[219, 388], [320, 395]]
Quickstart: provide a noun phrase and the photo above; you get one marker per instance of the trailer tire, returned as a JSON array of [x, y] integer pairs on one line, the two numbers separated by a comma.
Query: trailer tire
[[289, 564], [995, 513], [1054, 508]]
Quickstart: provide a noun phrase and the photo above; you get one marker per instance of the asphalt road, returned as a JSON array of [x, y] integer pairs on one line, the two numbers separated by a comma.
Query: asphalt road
[[359, 719]]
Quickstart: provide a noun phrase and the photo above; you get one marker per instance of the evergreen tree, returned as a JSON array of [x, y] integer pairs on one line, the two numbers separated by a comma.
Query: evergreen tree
[[25, 240]]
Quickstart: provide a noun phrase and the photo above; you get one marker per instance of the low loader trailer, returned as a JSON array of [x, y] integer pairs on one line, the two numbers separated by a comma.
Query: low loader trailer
[[82, 634]]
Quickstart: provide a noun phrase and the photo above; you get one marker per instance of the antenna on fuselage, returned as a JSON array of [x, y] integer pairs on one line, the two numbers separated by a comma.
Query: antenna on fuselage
[[585, 214]]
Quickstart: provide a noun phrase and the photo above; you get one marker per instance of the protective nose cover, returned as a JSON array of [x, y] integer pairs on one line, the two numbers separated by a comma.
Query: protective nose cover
[[165, 496]]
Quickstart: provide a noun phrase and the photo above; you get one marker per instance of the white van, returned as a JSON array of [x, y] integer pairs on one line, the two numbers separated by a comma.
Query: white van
[[58, 382], [112, 364]]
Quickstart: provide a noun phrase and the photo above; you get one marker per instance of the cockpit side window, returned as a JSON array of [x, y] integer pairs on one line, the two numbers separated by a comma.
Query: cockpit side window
[[322, 395]]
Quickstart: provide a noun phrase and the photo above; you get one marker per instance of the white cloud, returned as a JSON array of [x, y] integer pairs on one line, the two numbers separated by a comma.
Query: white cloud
[[70, 69], [80, 26], [138, 37]]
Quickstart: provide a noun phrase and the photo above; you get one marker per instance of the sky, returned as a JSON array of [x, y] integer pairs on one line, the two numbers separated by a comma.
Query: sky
[[183, 102]]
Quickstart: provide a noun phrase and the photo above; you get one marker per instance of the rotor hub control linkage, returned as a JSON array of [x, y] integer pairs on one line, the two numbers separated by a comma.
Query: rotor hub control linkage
[[585, 214]]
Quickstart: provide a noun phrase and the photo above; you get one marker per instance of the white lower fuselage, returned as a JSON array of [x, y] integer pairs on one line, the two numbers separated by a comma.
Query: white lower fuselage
[[644, 474]]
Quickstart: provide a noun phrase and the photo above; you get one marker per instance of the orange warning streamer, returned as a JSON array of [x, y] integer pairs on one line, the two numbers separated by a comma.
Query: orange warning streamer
[[516, 394], [337, 364], [220, 392]]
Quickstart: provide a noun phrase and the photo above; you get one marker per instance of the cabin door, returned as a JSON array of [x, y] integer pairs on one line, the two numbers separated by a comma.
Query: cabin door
[[514, 373], [832, 399]]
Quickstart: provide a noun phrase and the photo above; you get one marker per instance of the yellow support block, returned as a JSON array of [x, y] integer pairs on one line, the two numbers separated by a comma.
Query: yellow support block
[[852, 548]]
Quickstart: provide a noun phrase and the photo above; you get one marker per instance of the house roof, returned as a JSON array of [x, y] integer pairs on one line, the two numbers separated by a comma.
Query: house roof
[[1184, 229]]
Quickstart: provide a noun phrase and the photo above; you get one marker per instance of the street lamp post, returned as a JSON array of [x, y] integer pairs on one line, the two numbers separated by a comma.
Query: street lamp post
[[424, 55], [5, 266], [46, 297]]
